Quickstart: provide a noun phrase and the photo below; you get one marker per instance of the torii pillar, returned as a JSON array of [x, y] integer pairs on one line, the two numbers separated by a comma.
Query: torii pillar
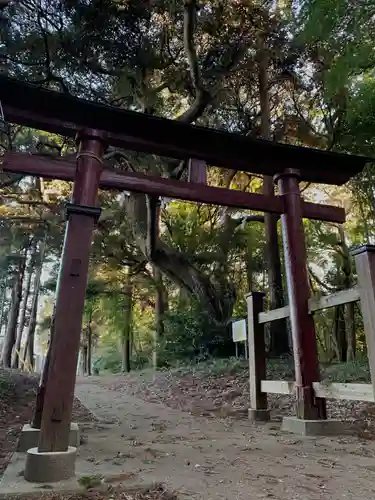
[[54, 460], [306, 362]]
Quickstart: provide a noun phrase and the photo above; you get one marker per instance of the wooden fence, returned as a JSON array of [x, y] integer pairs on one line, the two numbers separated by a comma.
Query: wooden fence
[[257, 317]]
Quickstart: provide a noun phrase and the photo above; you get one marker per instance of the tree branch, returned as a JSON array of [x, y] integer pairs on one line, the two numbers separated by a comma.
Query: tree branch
[[217, 297], [202, 97]]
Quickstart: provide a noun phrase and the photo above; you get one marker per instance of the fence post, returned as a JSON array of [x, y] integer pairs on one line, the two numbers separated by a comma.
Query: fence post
[[258, 410], [365, 264]]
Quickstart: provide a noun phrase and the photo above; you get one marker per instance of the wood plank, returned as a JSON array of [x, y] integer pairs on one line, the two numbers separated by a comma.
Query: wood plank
[[333, 299], [277, 387], [315, 304], [56, 112], [275, 314], [354, 392]]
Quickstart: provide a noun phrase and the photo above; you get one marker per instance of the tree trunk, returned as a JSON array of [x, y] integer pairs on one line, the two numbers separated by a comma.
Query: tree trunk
[[89, 345], [249, 266], [21, 323], [218, 296], [279, 339], [38, 412], [2, 305], [29, 349], [349, 309], [339, 335], [159, 311], [30, 335], [125, 344], [158, 280], [84, 356], [10, 335]]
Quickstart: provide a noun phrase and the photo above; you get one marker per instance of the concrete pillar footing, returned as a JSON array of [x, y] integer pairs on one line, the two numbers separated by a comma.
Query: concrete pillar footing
[[29, 437], [51, 466], [315, 427], [259, 415]]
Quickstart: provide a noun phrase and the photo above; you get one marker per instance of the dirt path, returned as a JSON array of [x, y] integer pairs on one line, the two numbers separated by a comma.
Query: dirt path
[[207, 459]]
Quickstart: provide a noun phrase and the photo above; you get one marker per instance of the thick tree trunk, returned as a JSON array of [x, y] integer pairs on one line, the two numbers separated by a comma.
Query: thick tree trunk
[[217, 296], [10, 335], [279, 339], [22, 319]]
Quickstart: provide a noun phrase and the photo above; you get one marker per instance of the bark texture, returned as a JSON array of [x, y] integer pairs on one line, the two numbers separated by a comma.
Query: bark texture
[[279, 340], [11, 329]]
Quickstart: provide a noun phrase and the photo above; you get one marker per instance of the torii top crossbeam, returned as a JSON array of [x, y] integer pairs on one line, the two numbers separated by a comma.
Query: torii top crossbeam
[[42, 109]]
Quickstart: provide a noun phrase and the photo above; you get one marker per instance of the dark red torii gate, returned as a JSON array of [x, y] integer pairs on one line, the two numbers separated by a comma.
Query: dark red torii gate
[[95, 126]]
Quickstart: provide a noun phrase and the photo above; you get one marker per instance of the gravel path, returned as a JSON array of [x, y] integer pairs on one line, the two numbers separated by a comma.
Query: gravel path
[[211, 459]]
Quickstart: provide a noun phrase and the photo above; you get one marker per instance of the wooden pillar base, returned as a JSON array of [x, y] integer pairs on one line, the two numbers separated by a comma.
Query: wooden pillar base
[[308, 407], [259, 415]]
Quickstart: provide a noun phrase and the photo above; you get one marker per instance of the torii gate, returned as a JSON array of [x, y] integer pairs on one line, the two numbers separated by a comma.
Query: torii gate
[[96, 126]]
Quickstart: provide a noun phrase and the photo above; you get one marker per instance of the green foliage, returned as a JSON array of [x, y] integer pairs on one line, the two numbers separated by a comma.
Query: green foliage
[[190, 335], [182, 338], [108, 361], [216, 366], [353, 371], [342, 34]]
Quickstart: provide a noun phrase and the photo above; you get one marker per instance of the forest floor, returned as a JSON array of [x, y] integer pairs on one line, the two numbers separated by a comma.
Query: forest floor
[[220, 389], [187, 429], [17, 396]]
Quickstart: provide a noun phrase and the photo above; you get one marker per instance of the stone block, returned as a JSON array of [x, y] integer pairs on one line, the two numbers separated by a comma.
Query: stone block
[[315, 427], [29, 437], [51, 466]]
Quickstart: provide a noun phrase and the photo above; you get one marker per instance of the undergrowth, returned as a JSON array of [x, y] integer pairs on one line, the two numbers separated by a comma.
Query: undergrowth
[[7, 386], [277, 369]]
